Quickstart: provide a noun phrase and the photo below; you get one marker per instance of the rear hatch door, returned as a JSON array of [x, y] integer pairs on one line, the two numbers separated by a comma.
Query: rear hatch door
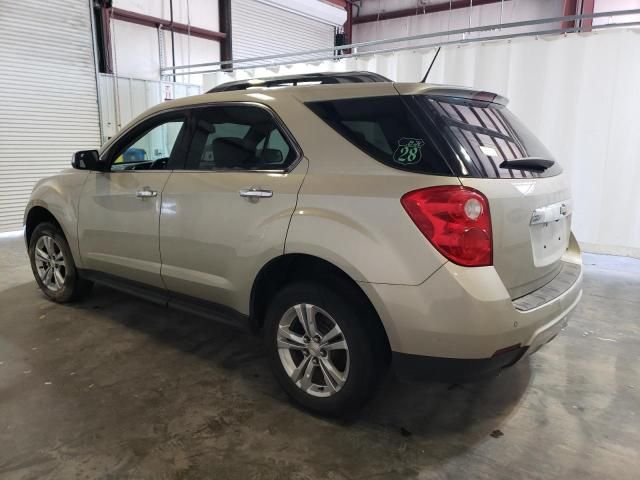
[[529, 197], [531, 225]]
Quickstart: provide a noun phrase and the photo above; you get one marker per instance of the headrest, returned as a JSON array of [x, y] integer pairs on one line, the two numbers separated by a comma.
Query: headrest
[[271, 156], [229, 152], [207, 127]]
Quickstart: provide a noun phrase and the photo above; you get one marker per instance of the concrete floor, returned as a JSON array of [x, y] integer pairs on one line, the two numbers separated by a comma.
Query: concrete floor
[[117, 388]]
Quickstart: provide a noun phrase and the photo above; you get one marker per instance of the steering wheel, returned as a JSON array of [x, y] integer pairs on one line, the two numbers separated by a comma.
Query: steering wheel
[[159, 164]]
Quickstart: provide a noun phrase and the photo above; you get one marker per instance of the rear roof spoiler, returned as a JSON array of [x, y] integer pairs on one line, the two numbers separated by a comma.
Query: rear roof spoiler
[[454, 91], [477, 95]]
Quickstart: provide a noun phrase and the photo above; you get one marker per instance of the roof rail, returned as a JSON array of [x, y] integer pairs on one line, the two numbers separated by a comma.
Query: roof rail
[[302, 79]]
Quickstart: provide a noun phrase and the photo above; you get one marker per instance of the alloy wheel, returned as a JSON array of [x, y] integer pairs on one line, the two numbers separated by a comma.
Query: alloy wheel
[[50, 263], [313, 350]]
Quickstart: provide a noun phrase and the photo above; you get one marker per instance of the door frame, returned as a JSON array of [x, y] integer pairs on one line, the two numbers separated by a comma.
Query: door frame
[[177, 157], [185, 141]]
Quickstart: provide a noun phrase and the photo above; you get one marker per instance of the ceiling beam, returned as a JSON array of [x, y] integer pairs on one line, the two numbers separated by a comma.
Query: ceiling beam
[[149, 21], [421, 10]]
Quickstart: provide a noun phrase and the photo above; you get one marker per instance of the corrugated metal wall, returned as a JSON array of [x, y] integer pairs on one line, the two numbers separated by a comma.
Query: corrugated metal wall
[[261, 29], [134, 97], [48, 102]]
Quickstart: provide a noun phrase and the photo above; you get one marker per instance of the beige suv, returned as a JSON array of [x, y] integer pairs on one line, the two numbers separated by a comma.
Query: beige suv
[[357, 222]]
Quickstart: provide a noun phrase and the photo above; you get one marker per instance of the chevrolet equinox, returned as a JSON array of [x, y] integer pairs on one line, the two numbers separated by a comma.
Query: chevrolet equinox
[[356, 222]]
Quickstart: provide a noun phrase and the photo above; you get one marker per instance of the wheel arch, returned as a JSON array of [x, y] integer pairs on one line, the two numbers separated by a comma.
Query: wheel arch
[[37, 215], [291, 267]]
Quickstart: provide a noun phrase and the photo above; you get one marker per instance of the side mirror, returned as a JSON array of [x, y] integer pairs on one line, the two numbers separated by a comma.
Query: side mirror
[[87, 160]]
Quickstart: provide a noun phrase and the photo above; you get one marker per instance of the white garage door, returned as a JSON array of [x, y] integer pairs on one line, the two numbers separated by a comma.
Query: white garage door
[[260, 29], [48, 102]]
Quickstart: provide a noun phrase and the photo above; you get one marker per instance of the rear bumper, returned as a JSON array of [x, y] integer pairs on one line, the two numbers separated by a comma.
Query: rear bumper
[[465, 318], [418, 367]]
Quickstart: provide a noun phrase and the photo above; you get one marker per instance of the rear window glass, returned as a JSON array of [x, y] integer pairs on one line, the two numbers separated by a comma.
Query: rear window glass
[[385, 129], [437, 134], [483, 135]]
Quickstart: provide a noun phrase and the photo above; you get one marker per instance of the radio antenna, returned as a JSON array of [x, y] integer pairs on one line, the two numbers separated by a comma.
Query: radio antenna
[[432, 62]]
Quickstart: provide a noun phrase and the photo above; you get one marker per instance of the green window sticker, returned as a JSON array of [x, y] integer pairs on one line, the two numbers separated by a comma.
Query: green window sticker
[[408, 151]]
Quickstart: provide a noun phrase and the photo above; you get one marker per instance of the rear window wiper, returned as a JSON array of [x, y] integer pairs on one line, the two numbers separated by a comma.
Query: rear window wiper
[[536, 164]]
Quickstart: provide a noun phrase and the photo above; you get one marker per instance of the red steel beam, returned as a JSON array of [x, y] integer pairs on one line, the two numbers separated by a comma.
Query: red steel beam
[[408, 12], [149, 21], [570, 8], [226, 46], [105, 24], [587, 9], [348, 26]]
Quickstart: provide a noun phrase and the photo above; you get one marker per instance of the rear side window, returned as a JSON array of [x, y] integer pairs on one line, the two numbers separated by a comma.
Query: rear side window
[[441, 135], [483, 135], [387, 130], [238, 137]]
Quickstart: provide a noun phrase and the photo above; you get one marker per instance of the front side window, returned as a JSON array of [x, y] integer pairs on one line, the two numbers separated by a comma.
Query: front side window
[[151, 149], [238, 137]]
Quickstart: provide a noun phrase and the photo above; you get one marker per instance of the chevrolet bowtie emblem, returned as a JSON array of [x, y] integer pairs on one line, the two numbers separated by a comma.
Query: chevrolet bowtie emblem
[[563, 209]]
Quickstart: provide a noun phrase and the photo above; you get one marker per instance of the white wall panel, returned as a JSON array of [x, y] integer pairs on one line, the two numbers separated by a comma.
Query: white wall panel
[[135, 47], [135, 50], [200, 13], [48, 107], [612, 6], [491, 14], [189, 51], [578, 93], [134, 97]]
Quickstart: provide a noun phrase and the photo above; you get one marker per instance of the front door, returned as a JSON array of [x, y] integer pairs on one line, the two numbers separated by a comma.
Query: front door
[[119, 210], [226, 215]]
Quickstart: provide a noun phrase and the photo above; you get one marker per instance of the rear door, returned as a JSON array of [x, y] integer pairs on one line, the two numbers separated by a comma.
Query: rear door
[[530, 208], [227, 213]]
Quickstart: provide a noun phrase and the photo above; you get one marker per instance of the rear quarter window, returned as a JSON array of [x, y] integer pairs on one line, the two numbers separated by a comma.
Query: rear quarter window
[[387, 130], [439, 135]]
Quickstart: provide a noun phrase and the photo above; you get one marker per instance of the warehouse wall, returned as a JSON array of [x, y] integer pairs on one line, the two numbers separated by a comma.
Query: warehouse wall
[[260, 27], [123, 99], [510, 11], [277, 26], [612, 6], [48, 107], [202, 13], [578, 93], [136, 48]]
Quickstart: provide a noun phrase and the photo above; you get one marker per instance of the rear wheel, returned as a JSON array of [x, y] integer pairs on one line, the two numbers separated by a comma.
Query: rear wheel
[[320, 349], [53, 266]]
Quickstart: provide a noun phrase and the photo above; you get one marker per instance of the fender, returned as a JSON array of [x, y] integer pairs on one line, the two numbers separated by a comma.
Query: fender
[[59, 195]]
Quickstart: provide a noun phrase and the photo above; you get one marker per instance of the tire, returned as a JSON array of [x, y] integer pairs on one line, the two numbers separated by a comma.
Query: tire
[[63, 284], [360, 366]]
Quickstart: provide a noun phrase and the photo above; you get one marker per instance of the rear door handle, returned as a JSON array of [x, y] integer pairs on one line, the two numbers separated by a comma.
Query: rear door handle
[[146, 193], [255, 193]]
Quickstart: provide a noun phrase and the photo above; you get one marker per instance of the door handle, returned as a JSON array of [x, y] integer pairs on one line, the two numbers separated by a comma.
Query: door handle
[[146, 193], [255, 193]]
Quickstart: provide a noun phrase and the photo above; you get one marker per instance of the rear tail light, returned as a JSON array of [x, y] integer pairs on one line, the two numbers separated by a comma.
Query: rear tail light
[[456, 220]]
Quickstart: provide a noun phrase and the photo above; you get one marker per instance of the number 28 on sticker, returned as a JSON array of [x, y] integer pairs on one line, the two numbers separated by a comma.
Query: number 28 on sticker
[[408, 151]]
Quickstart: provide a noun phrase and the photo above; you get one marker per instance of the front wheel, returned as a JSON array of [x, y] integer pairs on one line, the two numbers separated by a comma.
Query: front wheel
[[320, 349], [53, 266]]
